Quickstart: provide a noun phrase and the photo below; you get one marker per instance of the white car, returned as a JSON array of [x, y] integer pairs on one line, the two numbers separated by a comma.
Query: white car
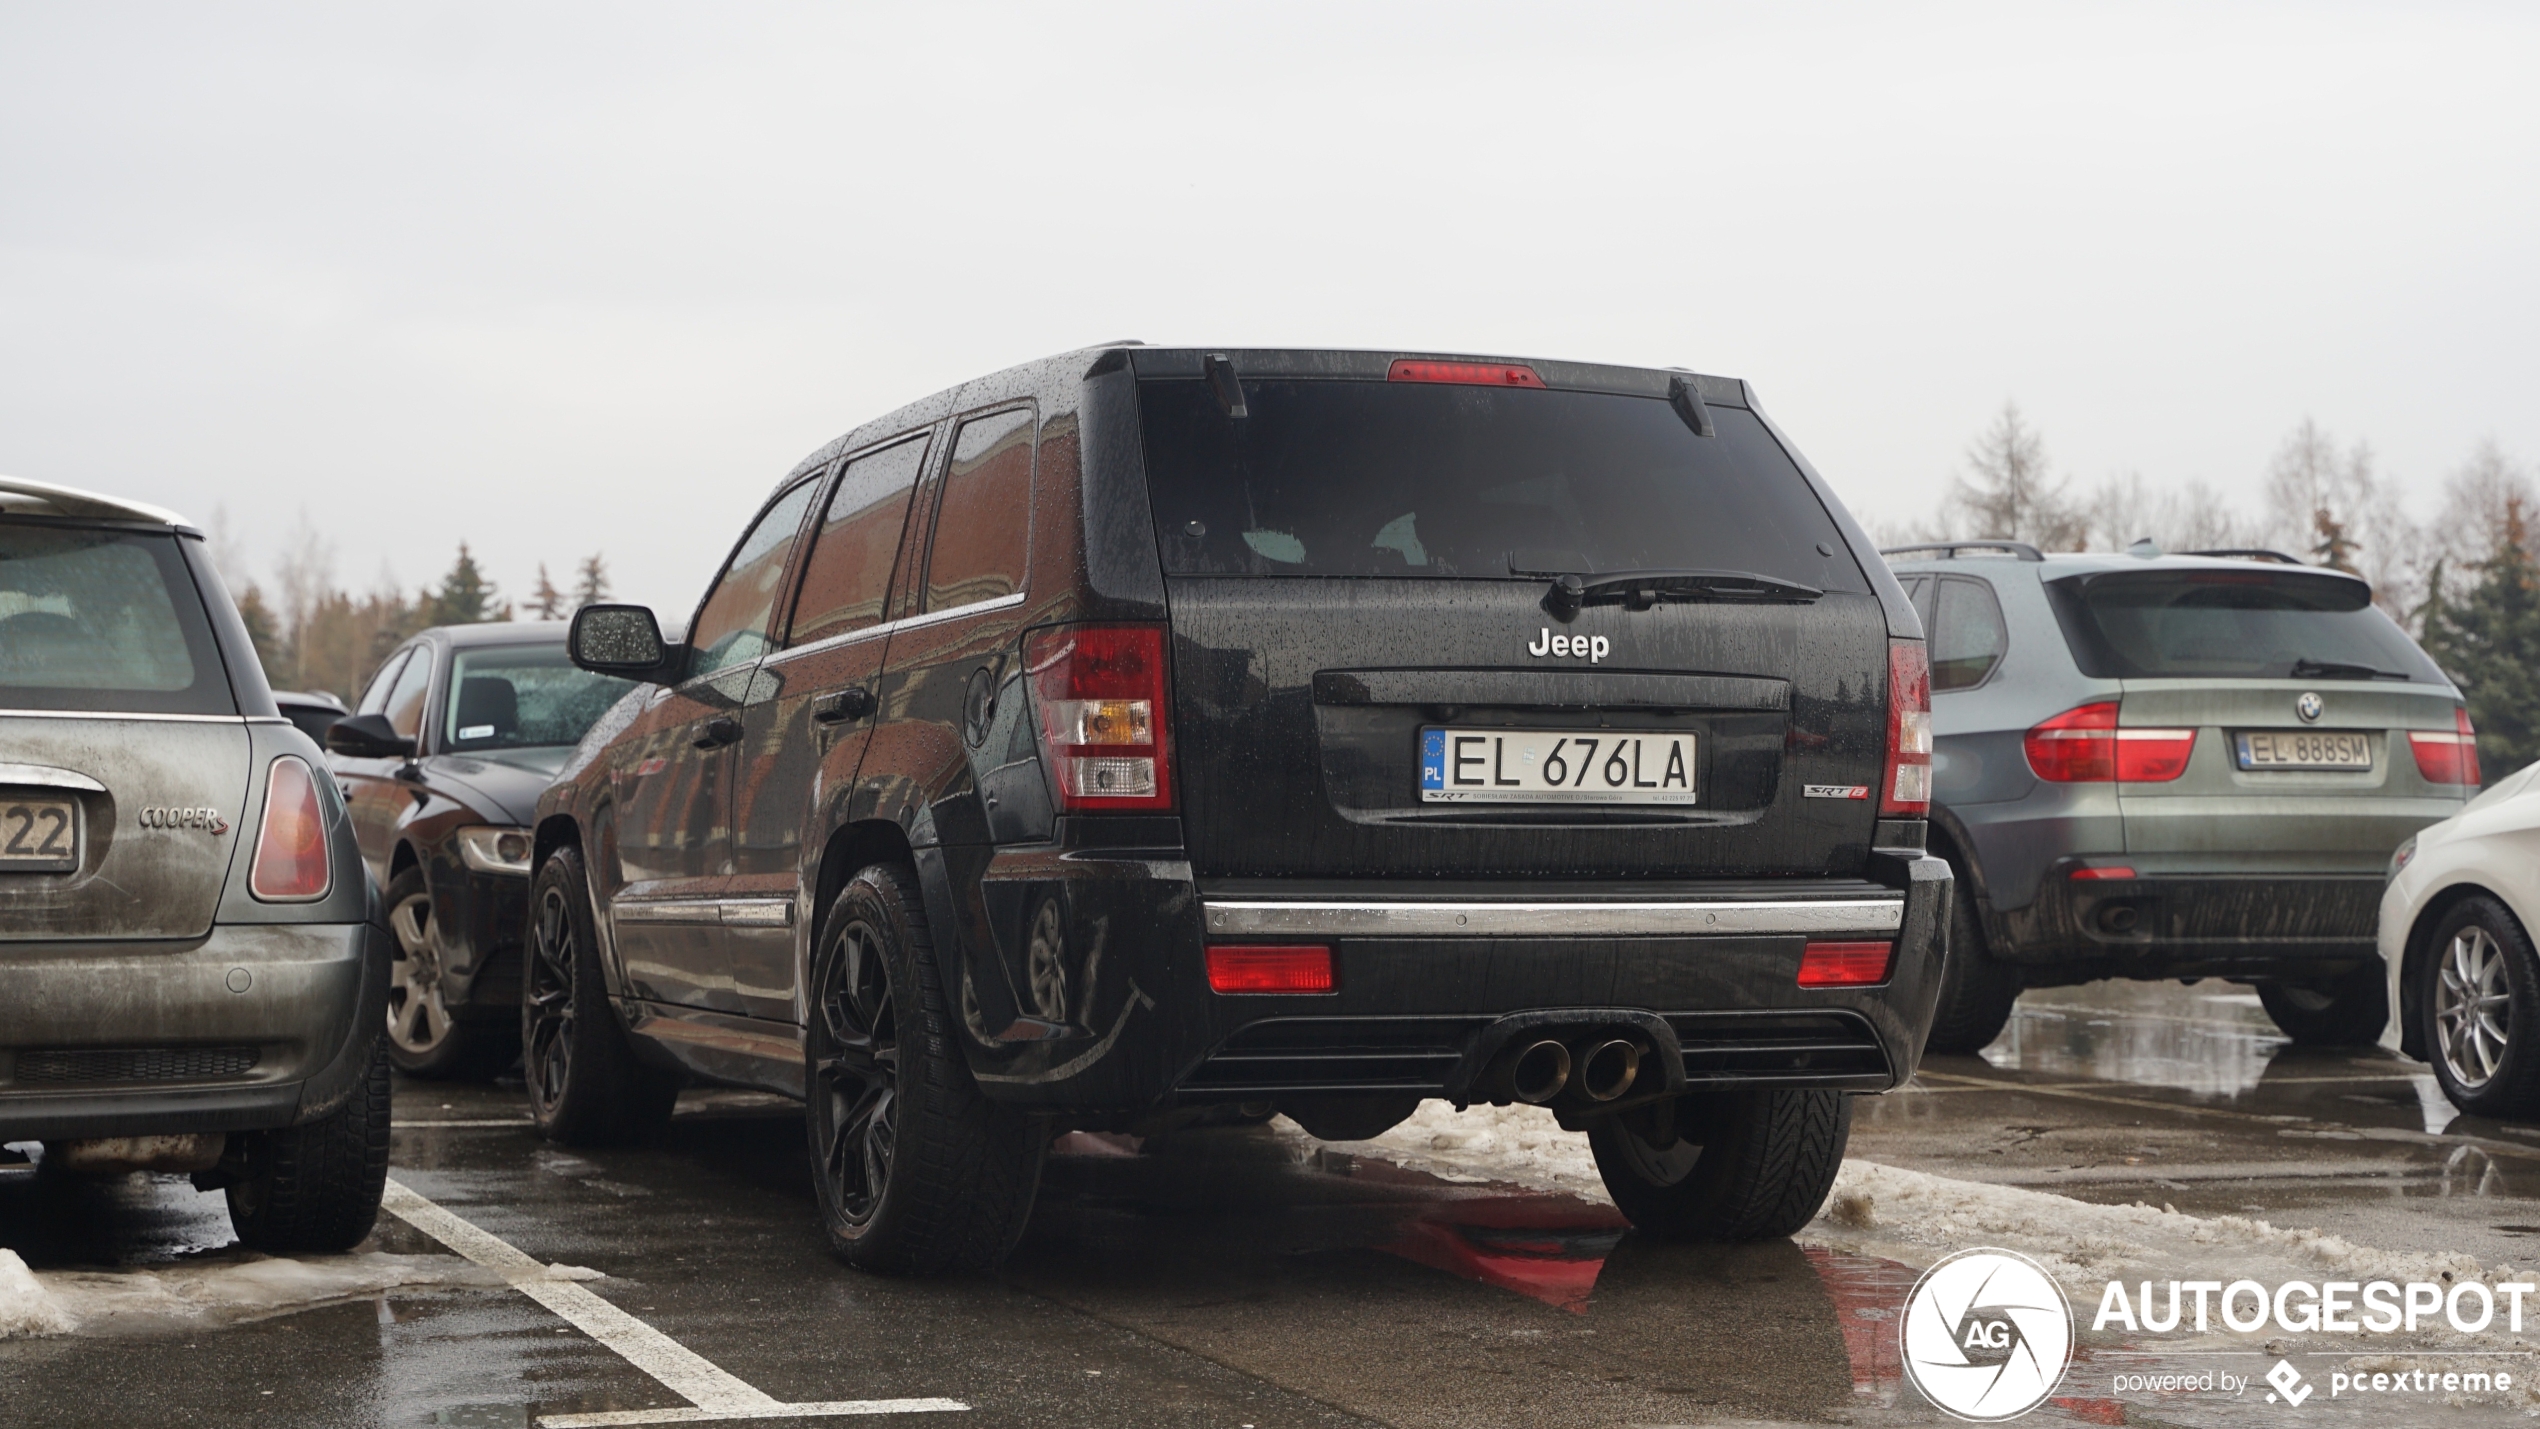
[[2455, 937]]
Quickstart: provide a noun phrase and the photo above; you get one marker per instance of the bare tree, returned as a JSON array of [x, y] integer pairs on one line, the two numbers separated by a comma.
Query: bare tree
[[2125, 509], [2486, 495], [2012, 495]]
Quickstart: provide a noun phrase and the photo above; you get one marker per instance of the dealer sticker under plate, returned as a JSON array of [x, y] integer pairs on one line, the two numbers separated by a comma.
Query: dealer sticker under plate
[[1554, 766]]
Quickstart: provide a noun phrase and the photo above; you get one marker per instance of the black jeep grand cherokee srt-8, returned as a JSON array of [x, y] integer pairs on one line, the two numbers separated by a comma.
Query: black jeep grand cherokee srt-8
[[1140, 737]]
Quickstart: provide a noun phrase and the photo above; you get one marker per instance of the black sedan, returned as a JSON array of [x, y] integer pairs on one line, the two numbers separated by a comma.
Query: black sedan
[[441, 763]]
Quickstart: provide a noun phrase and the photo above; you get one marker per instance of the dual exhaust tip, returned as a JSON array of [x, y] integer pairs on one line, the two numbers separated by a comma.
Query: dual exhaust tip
[[1536, 1072]]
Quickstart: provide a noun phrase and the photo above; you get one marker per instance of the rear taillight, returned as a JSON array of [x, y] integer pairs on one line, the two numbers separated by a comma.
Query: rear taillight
[[1907, 789], [2447, 758], [2084, 746], [1102, 697], [291, 859], [1469, 374], [1845, 964], [1256, 969]]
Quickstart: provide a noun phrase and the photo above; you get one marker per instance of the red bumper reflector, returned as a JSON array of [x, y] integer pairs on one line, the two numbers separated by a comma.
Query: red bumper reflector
[[1250, 969], [2086, 875], [1469, 374], [1845, 964]]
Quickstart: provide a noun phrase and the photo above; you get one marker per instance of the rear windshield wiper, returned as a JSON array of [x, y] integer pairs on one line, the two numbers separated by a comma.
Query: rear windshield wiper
[[2306, 668], [1639, 590]]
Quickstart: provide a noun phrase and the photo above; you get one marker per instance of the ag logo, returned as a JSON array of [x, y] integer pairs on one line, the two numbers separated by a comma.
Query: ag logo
[[1987, 1335], [2310, 706]]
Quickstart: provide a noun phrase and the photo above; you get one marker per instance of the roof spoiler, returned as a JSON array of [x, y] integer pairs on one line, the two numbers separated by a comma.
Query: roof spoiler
[[21, 497]]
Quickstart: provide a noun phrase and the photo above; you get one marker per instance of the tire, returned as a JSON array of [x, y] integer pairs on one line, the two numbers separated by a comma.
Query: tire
[[2350, 1011], [314, 1189], [1741, 1165], [586, 1085], [2478, 1007], [916, 1170], [1976, 992], [424, 1038]]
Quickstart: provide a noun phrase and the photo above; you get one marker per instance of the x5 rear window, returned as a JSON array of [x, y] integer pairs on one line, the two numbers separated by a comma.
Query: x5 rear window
[[1341, 478], [2223, 624]]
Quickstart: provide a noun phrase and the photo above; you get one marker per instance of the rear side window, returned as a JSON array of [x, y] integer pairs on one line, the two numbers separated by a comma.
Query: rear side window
[[1327, 478], [104, 620], [404, 703], [983, 529], [375, 698], [2260, 624], [731, 626], [847, 578], [1967, 633], [513, 696]]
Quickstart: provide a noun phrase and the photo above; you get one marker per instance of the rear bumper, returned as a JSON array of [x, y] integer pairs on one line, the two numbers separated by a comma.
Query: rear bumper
[[249, 1028], [1426, 978], [2192, 925]]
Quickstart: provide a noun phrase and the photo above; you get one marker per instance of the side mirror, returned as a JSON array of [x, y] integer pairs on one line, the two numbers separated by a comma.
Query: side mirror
[[368, 736], [620, 640]]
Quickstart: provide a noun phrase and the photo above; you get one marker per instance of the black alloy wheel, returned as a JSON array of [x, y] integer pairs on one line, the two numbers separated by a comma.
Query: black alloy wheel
[[586, 1085], [854, 1052], [915, 1169]]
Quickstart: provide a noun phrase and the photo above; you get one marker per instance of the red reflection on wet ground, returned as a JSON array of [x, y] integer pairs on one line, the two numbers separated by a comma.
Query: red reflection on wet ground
[[1547, 1247], [1869, 1295]]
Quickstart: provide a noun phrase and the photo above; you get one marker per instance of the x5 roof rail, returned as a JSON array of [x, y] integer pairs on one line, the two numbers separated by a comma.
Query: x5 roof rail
[[1950, 549]]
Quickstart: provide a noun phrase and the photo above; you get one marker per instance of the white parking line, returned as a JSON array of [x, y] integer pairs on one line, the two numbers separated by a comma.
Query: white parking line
[[712, 1394]]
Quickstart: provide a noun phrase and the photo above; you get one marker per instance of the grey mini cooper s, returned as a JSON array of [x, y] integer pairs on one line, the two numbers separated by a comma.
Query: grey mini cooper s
[[193, 966], [2153, 766]]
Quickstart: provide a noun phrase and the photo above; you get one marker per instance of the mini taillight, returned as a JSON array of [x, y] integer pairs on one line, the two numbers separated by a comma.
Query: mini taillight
[[2084, 746], [1254, 969], [1469, 374], [291, 859], [1845, 964], [1907, 790], [1102, 697], [2447, 758]]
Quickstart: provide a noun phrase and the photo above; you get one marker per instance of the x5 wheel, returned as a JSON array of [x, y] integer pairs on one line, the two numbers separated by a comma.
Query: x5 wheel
[[915, 1169]]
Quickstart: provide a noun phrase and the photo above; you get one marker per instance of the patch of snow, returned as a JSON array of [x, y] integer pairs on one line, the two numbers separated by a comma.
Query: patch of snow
[[572, 1272], [1518, 1145], [230, 1287], [27, 1309]]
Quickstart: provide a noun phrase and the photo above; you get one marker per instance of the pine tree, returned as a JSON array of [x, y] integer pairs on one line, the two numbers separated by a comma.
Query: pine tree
[[2488, 640], [593, 586], [264, 631], [465, 597], [545, 601]]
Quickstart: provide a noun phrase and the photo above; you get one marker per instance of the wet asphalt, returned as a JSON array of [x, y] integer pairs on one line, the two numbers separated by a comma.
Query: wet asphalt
[[1231, 1278]]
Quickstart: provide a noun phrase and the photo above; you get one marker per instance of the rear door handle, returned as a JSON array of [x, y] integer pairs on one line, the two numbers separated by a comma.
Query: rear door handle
[[852, 703], [717, 732]]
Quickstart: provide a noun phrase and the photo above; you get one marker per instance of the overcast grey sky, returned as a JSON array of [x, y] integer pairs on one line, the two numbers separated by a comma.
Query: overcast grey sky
[[556, 279]]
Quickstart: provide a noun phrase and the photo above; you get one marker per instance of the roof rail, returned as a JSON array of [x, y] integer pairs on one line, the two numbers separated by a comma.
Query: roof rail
[[43, 498], [1950, 549], [2250, 553]]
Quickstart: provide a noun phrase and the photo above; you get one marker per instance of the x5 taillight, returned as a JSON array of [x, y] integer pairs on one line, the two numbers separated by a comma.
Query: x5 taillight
[[2085, 746], [1103, 700], [292, 864], [2447, 758], [1907, 790]]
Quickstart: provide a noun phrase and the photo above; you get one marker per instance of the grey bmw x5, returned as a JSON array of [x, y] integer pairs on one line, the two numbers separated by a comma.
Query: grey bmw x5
[[2156, 766], [193, 968]]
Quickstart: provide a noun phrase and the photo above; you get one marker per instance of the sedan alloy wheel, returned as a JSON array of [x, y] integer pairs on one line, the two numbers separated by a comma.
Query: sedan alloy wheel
[[2473, 1007]]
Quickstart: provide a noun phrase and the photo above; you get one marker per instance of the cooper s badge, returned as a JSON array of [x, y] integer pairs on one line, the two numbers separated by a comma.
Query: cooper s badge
[[208, 820]]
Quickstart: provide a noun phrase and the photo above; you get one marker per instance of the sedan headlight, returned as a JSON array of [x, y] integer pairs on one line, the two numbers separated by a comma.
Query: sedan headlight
[[2399, 859], [489, 849]]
